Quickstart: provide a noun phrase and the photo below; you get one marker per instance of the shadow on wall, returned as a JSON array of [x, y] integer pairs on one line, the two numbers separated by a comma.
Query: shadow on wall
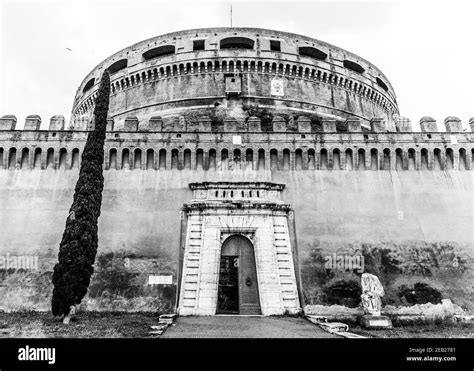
[[413, 272]]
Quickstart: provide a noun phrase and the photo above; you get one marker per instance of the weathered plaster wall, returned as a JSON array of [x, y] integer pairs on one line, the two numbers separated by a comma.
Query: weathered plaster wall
[[140, 220]]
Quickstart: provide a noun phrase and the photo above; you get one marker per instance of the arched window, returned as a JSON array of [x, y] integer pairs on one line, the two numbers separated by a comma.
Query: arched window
[[374, 159], [160, 51], [89, 85], [224, 159], [118, 66], [462, 159], [386, 159], [261, 159], [137, 161], [361, 159], [323, 159], [212, 159], [236, 43], [113, 159], [200, 159], [126, 159], [353, 66], [437, 165], [62, 159], [249, 158], [411, 159], [311, 159], [50, 159], [424, 159], [12, 158], [299, 159], [449, 159], [1, 158], [162, 159], [150, 159], [174, 159], [273, 159], [349, 162], [75, 159], [336, 159], [312, 52], [381, 84], [237, 155], [398, 159], [25, 154], [187, 159], [286, 159]]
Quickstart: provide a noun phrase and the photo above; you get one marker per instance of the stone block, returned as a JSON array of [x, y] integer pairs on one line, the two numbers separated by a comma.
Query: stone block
[[291, 125], [353, 125], [32, 122], [428, 124], [231, 126], [403, 124], [57, 122], [304, 124], [254, 124], [110, 124], [171, 124], [452, 124], [279, 124], [8, 122], [192, 126], [204, 124], [378, 125], [329, 126], [375, 322], [471, 124], [130, 124], [80, 124]]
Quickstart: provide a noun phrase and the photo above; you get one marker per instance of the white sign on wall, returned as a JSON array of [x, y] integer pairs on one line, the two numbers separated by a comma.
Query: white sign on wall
[[454, 139], [160, 280], [236, 139], [277, 87]]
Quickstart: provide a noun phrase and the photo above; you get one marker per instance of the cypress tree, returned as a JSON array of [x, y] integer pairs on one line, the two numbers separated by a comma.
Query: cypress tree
[[78, 247]]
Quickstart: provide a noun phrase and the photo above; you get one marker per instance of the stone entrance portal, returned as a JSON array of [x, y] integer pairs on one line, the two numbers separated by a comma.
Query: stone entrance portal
[[238, 285], [238, 251]]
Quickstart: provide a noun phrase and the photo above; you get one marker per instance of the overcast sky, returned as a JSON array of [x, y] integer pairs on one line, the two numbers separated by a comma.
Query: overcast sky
[[425, 49]]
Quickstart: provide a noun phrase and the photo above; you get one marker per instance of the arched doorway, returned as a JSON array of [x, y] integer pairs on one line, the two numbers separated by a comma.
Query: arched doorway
[[238, 286]]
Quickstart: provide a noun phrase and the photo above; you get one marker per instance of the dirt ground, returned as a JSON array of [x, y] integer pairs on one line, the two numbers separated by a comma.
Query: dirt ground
[[137, 325], [84, 325], [245, 327], [433, 330]]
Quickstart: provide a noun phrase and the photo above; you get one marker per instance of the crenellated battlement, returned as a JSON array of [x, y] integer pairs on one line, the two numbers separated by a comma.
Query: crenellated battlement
[[282, 144]]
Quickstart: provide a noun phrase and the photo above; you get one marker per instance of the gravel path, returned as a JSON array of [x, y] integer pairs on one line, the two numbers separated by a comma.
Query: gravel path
[[244, 327]]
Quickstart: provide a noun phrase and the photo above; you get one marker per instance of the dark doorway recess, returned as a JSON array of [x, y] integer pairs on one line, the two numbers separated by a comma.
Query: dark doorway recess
[[238, 286]]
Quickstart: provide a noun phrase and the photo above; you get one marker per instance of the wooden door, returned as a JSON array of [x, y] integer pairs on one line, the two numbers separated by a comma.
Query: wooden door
[[238, 264]]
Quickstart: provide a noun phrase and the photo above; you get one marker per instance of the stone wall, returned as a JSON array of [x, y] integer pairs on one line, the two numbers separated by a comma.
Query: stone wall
[[139, 227]]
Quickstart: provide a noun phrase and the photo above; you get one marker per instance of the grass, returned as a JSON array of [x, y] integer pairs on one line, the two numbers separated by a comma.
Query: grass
[[137, 325], [437, 329], [83, 325]]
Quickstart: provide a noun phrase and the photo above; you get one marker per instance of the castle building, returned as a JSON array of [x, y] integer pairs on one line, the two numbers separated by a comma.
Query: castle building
[[235, 160]]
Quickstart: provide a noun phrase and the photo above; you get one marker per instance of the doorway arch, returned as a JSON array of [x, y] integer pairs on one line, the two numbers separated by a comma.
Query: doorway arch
[[238, 285]]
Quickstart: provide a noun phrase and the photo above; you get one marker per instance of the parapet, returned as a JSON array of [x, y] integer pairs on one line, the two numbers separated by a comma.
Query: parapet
[[8, 122], [453, 124], [57, 122], [378, 125], [32, 122], [428, 124], [253, 124]]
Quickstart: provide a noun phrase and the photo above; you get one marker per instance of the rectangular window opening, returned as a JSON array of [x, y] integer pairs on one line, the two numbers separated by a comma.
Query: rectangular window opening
[[198, 45], [275, 45]]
